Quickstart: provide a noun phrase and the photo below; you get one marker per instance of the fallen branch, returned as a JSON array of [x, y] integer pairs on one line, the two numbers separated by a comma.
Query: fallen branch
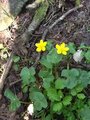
[[25, 37], [37, 19], [5, 72], [55, 23]]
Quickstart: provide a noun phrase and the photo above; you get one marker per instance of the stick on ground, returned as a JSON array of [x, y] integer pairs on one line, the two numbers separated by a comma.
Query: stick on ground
[[59, 20], [5, 72]]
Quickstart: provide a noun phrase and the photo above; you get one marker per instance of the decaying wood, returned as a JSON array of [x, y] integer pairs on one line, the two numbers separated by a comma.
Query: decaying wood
[[5, 72], [37, 19]]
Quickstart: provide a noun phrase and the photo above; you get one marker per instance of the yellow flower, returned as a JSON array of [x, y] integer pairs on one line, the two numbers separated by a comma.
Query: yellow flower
[[62, 49], [41, 46]]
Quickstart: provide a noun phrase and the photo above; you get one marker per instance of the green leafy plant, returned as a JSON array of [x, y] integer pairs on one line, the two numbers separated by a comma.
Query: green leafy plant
[[15, 103], [55, 89], [16, 60]]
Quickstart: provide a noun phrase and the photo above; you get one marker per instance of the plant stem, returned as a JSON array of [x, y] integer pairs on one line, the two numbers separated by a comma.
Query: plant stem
[[25, 102]]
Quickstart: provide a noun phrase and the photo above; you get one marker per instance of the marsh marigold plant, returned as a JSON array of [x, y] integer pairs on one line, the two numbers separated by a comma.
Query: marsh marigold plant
[[62, 49], [41, 46]]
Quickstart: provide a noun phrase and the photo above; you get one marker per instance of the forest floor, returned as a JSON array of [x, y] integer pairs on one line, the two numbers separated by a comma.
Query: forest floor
[[74, 28]]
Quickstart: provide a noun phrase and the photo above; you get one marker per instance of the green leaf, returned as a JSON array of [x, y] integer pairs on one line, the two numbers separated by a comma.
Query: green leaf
[[53, 57], [71, 116], [59, 83], [70, 73], [15, 103], [52, 94], [24, 88], [47, 81], [74, 72], [79, 104], [46, 63], [39, 100], [73, 92], [84, 78], [87, 55], [16, 59], [49, 45], [48, 117], [85, 113], [81, 96], [60, 93], [79, 88], [67, 100], [45, 73], [32, 71], [72, 48], [65, 73], [32, 79], [72, 77], [25, 75], [9, 94], [57, 107], [71, 83]]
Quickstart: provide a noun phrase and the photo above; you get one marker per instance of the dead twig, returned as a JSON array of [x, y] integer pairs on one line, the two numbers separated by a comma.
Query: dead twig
[[55, 23], [60, 19], [13, 83], [5, 72]]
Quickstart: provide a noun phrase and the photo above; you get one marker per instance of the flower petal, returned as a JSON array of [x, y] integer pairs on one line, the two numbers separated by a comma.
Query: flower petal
[[57, 46], [64, 53], [66, 48], [41, 41], [43, 48], [44, 44], [58, 52], [62, 45], [38, 49], [37, 44]]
